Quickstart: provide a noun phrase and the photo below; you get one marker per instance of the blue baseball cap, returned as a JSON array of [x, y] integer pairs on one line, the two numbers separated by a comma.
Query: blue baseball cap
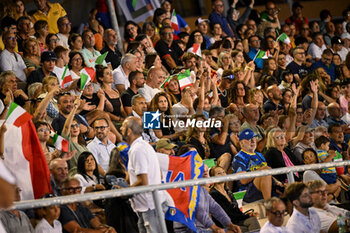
[[247, 134]]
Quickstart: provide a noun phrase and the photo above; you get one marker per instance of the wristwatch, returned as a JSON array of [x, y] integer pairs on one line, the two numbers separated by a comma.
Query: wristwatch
[[94, 186]]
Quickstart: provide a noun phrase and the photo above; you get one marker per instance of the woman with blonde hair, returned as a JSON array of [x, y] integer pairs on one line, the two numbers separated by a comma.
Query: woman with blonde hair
[[173, 90], [224, 63], [31, 55], [278, 155]]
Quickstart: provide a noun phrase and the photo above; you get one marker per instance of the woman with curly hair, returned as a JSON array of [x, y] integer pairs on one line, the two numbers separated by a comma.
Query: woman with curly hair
[[238, 96]]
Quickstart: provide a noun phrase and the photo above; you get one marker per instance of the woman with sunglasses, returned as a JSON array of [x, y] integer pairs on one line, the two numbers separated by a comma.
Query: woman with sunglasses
[[88, 174], [226, 199]]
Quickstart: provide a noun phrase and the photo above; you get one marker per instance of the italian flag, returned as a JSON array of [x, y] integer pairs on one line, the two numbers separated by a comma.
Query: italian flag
[[285, 39], [25, 158], [166, 82], [185, 79], [60, 143], [196, 49], [100, 59], [17, 116], [262, 54], [174, 22], [84, 79], [89, 71], [66, 78]]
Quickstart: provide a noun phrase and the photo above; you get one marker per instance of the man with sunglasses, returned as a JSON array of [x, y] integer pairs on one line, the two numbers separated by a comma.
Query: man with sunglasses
[[276, 211], [304, 219], [328, 213], [76, 217]]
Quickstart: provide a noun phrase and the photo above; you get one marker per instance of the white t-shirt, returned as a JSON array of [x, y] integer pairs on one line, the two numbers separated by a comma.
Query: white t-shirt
[[85, 182], [120, 77], [13, 62], [148, 92], [315, 51], [329, 215], [269, 228], [144, 160], [179, 109], [44, 227], [63, 40], [304, 224]]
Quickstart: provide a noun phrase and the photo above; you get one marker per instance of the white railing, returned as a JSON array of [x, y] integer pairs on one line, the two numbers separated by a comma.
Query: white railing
[[28, 204]]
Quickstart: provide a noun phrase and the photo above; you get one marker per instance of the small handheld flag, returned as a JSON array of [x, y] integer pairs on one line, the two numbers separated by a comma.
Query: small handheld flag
[[285, 39], [174, 22], [17, 115], [262, 54], [101, 58], [66, 78]]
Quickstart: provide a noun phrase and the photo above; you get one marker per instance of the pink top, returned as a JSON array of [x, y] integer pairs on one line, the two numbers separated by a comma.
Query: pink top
[[343, 105]]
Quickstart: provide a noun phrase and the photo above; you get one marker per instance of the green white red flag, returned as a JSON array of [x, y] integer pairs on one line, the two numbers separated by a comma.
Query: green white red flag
[[174, 22], [60, 143], [17, 116], [66, 78], [285, 39], [185, 79]]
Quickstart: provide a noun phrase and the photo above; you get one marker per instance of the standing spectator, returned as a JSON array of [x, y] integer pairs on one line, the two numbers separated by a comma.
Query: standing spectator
[[297, 17], [137, 81], [64, 27], [49, 12], [121, 73], [169, 52], [24, 26], [144, 169], [317, 47], [216, 16], [89, 53], [303, 219], [101, 146], [48, 59], [275, 211], [270, 15], [114, 56], [10, 60]]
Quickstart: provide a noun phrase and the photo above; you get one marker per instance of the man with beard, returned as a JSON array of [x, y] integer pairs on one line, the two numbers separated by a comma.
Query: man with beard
[[139, 106], [101, 147], [275, 96], [303, 219], [319, 117], [65, 103], [328, 213], [114, 55], [137, 81], [144, 169]]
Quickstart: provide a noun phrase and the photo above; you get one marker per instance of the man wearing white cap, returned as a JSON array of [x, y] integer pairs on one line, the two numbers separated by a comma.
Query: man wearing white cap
[[202, 26]]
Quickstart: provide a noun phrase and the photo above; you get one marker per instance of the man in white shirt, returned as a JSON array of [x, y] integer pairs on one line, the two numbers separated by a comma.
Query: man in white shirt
[[64, 27], [276, 211], [121, 73], [10, 60], [184, 109], [154, 80], [101, 146], [143, 169], [303, 219], [317, 47], [328, 214], [62, 55]]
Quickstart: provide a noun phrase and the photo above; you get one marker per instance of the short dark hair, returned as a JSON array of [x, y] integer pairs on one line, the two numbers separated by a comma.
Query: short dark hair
[[332, 126], [161, 32], [214, 110], [37, 124], [321, 140], [100, 119], [133, 74], [294, 190], [327, 52], [307, 150], [300, 40], [21, 19], [7, 21]]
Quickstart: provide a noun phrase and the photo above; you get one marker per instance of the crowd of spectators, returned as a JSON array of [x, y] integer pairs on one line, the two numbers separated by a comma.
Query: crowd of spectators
[[291, 108]]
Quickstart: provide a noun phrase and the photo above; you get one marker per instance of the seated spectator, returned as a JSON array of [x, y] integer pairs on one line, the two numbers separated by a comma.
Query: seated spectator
[[326, 63], [137, 81], [330, 33], [227, 201], [297, 66], [62, 55], [24, 26], [49, 12], [31, 54], [328, 214], [75, 42], [49, 222], [15, 220], [184, 108], [41, 31], [306, 142], [304, 218], [114, 56], [64, 27], [317, 47], [90, 54], [254, 46], [52, 41], [278, 155], [10, 60], [43, 132], [217, 33], [238, 96], [76, 64], [224, 86], [173, 89], [7, 24], [248, 160], [47, 61], [59, 172], [275, 211], [154, 80], [273, 103], [76, 217], [88, 174], [319, 119], [131, 30], [121, 73]]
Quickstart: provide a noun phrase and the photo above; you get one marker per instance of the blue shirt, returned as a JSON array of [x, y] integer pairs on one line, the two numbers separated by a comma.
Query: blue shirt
[[329, 69], [258, 61], [247, 162], [216, 18]]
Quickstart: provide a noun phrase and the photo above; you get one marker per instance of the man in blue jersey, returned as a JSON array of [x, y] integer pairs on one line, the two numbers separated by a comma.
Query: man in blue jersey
[[247, 160]]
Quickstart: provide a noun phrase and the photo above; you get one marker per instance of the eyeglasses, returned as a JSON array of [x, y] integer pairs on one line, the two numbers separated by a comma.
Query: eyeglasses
[[43, 130], [75, 125], [300, 113], [11, 38], [321, 192], [279, 214], [66, 24], [100, 127], [77, 59], [54, 40], [327, 59], [73, 189]]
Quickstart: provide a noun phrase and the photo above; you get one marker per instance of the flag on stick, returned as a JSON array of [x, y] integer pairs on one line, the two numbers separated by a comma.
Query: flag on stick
[[174, 22], [17, 116]]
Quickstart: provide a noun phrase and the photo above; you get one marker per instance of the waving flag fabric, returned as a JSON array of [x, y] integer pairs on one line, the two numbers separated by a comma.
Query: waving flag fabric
[[185, 79], [189, 166], [285, 39], [66, 78], [17, 115], [174, 22]]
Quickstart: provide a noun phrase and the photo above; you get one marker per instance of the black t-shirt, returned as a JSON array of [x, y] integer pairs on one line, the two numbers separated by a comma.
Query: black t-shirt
[[81, 215], [217, 150], [37, 76], [126, 97], [296, 69], [92, 101], [58, 122], [271, 106], [223, 96], [163, 49], [114, 57]]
